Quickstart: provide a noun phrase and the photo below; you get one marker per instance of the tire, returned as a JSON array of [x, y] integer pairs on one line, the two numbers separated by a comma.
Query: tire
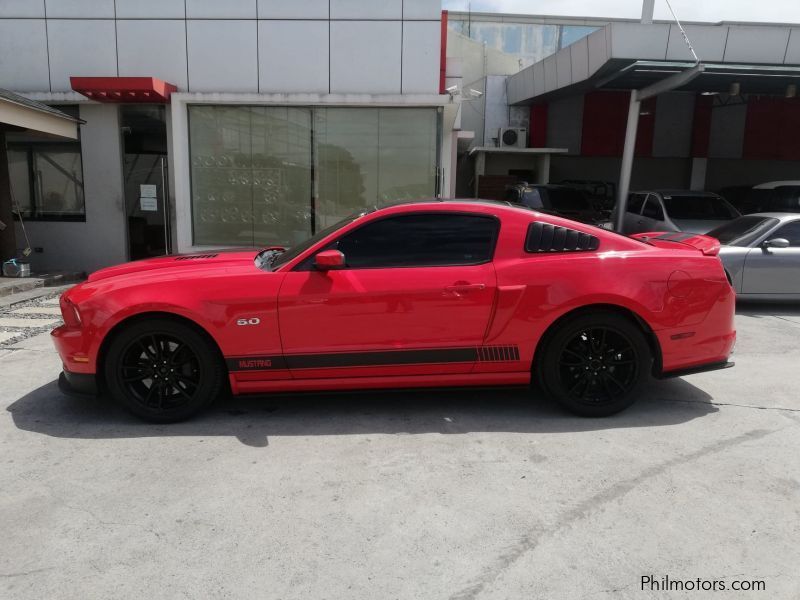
[[163, 371], [595, 363]]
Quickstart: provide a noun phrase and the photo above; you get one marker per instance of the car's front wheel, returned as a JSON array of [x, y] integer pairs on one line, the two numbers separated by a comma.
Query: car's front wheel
[[595, 363], [163, 370]]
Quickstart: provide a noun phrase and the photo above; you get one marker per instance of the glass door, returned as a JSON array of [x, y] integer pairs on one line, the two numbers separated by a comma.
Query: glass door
[[144, 133]]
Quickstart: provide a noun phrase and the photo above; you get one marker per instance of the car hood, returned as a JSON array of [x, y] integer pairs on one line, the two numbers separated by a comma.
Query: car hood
[[221, 258], [697, 225]]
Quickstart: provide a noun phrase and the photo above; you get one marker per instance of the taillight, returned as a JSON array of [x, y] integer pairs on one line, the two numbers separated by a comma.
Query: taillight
[[70, 313]]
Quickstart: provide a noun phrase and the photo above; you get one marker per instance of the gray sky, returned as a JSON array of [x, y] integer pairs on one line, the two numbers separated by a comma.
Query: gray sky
[[778, 11]]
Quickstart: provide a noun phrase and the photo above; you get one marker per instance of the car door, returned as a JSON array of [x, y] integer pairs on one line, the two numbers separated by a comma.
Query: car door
[[414, 297], [631, 219], [652, 217], [774, 270]]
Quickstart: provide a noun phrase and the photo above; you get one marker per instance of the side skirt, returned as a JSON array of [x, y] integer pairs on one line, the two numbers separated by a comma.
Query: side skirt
[[362, 383]]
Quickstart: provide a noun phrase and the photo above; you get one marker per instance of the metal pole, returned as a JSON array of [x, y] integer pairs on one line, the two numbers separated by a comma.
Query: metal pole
[[627, 161], [165, 194], [647, 11]]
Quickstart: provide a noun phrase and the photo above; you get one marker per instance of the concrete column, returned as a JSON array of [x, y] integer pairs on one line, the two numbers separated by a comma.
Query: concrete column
[[480, 169], [697, 180], [543, 168], [627, 161]]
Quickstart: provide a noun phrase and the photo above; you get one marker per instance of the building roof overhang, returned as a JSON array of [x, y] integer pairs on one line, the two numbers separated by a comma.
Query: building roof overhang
[[512, 150], [124, 89], [18, 113], [762, 59]]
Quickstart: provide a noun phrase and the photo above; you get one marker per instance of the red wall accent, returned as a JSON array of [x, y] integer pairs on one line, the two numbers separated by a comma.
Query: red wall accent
[[443, 54], [772, 128], [701, 125], [538, 129], [605, 116]]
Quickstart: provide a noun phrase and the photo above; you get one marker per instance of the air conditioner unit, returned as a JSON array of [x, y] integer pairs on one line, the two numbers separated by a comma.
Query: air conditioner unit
[[512, 137]]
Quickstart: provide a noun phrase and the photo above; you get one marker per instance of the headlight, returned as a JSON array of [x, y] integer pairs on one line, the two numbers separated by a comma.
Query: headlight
[[70, 313]]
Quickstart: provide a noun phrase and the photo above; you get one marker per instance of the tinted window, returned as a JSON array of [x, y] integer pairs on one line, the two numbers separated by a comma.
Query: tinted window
[[652, 209], [297, 250], [531, 198], [635, 202], [420, 240], [791, 232], [699, 208], [567, 199], [784, 198], [742, 231]]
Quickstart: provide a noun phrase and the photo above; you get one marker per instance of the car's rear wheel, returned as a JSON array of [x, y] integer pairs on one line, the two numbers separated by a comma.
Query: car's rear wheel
[[162, 370], [594, 364]]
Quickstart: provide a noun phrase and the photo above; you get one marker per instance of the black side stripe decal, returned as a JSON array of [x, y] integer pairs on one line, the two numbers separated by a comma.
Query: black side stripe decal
[[505, 353]]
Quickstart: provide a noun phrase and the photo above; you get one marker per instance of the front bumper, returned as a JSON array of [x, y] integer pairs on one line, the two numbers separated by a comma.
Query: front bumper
[[77, 384], [73, 346]]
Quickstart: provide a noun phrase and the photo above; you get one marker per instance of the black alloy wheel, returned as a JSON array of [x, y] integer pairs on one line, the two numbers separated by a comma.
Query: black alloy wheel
[[162, 370], [595, 363], [598, 365]]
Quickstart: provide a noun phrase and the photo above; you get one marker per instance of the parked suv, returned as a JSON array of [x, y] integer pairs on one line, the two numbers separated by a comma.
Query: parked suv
[[676, 210], [602, 194], [773, 196], [559, 200]]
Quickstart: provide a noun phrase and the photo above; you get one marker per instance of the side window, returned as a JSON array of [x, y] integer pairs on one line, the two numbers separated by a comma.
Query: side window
[[532, 198], [791, 232], [652, 209], [417, 240], [635, 202]]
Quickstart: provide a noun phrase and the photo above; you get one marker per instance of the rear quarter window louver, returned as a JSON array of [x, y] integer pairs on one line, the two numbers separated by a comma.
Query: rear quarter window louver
[[195, 256], [544, 237]]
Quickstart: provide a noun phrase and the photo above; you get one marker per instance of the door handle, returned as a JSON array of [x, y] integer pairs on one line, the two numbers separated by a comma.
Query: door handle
[[464, 287]]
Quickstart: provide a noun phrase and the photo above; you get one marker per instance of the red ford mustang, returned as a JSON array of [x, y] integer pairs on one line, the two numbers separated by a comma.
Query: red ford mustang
[[428, 294]]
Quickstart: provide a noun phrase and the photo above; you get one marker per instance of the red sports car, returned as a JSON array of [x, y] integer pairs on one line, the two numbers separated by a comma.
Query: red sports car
[[426, 294]]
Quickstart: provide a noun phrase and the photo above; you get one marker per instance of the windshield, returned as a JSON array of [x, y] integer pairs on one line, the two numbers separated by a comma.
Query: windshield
[[295, 251], [699, 208], [567, 199], [742, 231]]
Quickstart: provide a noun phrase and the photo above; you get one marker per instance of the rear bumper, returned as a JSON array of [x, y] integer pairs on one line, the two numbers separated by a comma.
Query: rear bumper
[[715, 366], [77, 384]]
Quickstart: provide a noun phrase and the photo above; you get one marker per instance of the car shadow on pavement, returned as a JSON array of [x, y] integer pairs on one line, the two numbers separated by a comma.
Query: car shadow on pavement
[[253, 420]]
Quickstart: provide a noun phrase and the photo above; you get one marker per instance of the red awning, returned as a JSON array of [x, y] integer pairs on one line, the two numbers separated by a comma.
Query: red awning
[[123, 89]]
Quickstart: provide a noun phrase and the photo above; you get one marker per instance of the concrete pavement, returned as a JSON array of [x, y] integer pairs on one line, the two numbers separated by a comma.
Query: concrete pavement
[[477, 494]]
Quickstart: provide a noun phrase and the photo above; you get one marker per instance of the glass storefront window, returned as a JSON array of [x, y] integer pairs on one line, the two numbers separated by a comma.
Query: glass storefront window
[[273, 175], [251, 174], [47, 181]]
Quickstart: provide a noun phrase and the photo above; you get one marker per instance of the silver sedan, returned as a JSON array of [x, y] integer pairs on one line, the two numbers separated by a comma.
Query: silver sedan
[[761, 253]]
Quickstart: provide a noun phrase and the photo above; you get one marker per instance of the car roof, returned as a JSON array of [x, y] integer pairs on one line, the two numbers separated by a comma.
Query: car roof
[[771, 185], [445, 201], [668, 192], [782, 216]]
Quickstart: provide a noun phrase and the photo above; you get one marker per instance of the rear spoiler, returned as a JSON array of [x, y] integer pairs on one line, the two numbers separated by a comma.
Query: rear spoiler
[[705, 244]]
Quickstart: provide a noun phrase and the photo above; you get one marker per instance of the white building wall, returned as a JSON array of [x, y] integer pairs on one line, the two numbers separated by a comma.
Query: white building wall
[[332, 52], [102, 239], [268, 46]]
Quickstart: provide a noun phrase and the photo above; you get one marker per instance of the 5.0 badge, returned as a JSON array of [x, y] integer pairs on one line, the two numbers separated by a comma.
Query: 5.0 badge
[[250, 321]]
